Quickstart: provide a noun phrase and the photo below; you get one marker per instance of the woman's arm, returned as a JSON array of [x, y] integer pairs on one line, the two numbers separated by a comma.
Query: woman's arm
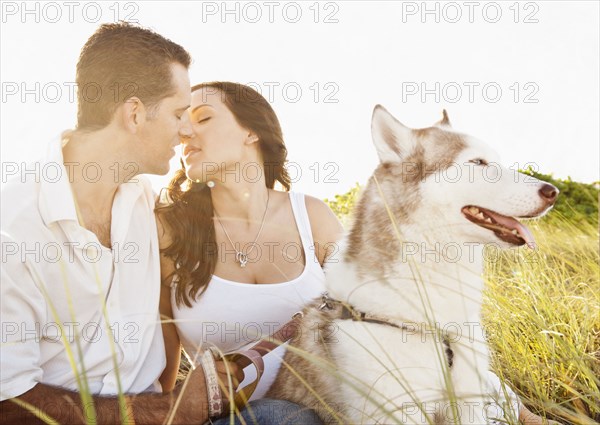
[[326, 228], [171, 338], [170, 335]]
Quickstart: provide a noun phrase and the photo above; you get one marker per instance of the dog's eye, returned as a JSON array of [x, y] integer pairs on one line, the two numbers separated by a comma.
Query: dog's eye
[[479, 161]]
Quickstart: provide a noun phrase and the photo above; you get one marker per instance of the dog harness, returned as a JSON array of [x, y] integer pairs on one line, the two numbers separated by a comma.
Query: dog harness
[[350, 313]]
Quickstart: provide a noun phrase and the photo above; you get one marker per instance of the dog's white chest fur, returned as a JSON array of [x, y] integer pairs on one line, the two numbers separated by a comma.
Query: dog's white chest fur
[[394, 374]]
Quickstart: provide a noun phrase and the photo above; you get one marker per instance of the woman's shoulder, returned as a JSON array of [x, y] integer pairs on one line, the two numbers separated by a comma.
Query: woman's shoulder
[[322, 219], [325, 225], [316, 207]]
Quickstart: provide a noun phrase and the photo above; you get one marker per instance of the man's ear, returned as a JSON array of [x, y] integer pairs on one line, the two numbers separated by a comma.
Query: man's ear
[[132, 113], [252, 138]]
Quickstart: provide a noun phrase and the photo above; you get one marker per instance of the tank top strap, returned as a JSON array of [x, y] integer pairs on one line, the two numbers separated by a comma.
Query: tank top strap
[[302, 221]]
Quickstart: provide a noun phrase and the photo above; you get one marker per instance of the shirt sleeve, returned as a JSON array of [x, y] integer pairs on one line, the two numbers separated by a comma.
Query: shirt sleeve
[[22, 315]]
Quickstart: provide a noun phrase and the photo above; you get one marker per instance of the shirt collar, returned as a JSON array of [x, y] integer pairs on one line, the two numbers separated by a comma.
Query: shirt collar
[[56, 201], [56, 198]]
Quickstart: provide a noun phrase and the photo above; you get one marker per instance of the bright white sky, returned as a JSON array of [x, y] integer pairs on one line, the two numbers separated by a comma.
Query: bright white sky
[[357, 54]]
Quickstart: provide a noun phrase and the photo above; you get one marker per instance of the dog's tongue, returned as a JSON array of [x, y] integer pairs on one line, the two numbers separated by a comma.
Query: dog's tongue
[[511, 223]]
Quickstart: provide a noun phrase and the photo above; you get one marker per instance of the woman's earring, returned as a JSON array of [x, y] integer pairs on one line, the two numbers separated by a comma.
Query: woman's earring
[[210, 184]]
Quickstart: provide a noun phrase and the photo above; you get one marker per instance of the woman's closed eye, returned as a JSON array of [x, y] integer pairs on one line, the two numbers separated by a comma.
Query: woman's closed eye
[[203, 120]]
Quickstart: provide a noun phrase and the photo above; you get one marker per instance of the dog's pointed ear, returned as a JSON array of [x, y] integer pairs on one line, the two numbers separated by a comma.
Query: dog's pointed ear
[[392, 139], [445, 121]]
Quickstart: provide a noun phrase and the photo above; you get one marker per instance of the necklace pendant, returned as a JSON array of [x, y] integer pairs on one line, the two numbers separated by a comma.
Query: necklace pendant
[[241, 258]]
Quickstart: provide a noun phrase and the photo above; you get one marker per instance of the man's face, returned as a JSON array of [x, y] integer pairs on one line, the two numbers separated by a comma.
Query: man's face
[[164, 128]]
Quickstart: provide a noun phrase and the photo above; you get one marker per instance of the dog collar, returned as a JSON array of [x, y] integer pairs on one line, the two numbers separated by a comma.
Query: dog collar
[[350, 313]]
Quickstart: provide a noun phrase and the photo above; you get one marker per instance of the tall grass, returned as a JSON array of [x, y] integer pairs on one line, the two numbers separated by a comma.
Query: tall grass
[[542, 317]]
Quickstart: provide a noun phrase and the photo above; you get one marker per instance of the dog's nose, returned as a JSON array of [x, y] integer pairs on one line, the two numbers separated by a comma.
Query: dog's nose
[[548, 193]]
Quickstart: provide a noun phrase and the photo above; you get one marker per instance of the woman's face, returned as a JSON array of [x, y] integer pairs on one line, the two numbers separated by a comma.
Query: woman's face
[[219, 146]]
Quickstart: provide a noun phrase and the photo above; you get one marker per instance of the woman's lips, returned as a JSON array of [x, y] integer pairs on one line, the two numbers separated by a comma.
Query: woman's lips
[[187, 151], [191, 153]]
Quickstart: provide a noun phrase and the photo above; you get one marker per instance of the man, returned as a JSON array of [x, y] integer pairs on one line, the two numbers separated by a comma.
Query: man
[[80, 260]]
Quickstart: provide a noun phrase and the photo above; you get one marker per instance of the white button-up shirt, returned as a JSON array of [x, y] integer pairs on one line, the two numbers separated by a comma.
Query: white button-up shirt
[[56, 277]]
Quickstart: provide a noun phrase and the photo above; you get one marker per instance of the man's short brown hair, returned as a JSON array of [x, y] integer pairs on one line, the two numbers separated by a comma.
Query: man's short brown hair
[[121, 60]]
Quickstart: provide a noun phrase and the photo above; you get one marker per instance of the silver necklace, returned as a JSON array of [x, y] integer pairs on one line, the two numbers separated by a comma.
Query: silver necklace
[[240, 256]]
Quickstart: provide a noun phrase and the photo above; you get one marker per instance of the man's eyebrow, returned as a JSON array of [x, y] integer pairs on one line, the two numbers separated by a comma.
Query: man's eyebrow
[[200, 106], [182, 108]]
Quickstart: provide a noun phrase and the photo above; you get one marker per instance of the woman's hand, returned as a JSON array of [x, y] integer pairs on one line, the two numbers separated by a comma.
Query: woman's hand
[[236, 372], [194, 394], [237, 376]]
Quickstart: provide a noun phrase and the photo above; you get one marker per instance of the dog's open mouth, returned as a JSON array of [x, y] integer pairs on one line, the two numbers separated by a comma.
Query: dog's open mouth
[[506, 228]]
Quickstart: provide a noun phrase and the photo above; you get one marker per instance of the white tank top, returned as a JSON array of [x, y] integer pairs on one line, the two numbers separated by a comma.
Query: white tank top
[[233, 315]]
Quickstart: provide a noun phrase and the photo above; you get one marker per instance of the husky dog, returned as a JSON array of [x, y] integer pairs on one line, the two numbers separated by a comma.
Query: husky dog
[[397, 339]]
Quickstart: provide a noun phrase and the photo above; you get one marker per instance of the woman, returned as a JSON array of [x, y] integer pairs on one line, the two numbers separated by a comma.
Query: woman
[[247, 256], [261, 249]]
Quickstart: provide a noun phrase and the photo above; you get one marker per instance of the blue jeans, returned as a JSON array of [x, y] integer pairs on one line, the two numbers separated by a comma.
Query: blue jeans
[[273, 412]]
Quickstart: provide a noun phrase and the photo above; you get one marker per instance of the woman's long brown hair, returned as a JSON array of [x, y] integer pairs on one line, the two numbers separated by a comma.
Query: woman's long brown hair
[[185, 208]]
